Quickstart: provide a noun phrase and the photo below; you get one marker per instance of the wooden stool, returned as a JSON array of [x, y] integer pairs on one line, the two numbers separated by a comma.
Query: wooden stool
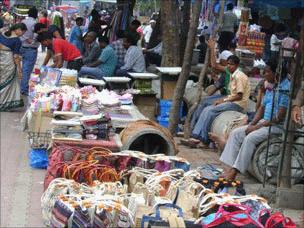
[[100, 84], [143, 81], [117, 83], [169, 76]]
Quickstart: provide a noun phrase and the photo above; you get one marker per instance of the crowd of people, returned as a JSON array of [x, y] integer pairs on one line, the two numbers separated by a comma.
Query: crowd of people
[[89, 51], [86, 49], [233, 92]]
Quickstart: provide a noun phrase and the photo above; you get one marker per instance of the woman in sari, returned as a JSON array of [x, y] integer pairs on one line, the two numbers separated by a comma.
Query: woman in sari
[[10, 67]]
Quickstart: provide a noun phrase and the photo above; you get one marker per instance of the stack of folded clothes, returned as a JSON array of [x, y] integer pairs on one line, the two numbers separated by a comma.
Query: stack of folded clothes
[[67, 130], [67, 126], [97, 126], [90, 106]]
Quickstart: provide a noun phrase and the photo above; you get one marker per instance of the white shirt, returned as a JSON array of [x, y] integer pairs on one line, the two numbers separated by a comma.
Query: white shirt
[[274, 39], [147, 33], [29, 34]]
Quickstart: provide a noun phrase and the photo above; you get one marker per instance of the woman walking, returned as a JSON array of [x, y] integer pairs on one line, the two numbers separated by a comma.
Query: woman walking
[[10, 67]]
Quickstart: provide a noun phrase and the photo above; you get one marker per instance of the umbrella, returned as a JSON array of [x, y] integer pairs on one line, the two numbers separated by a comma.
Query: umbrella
[[68, 9]]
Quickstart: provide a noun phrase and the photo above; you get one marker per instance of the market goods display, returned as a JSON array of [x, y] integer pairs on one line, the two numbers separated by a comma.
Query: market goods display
[[255, 42], [148, 197]]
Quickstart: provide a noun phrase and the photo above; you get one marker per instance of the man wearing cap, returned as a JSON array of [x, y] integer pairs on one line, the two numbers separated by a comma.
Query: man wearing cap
[[148, 31]]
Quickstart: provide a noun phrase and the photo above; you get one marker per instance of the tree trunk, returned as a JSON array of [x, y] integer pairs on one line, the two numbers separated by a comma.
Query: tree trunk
[[284, 177], [185, 24], [183, 77], [170, 26], [187, 130]]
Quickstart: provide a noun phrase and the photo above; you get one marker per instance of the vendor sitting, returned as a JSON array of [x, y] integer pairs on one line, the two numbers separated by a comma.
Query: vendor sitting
[[105, 65], [63, 51], [237, 100], [243, 141], [91, 48], [134, 59]]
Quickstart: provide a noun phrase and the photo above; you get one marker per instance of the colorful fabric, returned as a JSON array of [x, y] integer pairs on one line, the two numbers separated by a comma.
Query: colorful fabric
[[68, 51], [281, 99], [119, 50], [10, 97], [108, 60], [81, 218], [239, 83], [13, 43], [60, 214]]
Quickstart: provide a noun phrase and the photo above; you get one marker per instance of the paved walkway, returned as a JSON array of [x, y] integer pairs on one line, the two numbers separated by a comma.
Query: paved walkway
[[21, 186]]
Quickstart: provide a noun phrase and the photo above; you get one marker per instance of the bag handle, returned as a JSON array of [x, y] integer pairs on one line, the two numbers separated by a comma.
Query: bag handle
[[168, 205], [275, 219]]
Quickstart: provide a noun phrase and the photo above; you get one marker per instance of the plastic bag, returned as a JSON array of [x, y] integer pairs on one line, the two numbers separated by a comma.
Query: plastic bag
[[38, 158]]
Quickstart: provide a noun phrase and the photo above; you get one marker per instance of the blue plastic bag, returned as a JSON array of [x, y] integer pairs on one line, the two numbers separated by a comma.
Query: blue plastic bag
[[38, 158]]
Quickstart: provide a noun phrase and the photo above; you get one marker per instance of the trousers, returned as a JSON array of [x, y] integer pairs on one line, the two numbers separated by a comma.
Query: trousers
[[240, 147], [203, 125], [29, 57], [94, 72], [207, 101]]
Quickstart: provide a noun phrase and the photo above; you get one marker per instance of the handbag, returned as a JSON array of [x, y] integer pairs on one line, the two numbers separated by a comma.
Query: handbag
[[231, 215], [276, 220], [173, 220]]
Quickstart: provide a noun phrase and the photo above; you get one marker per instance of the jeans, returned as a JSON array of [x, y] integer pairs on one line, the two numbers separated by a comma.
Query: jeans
[[29, 57], [95, 72], [207, 101], [203, 125]]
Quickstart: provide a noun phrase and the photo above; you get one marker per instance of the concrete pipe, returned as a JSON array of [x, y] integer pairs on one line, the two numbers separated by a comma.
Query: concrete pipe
[[148, 137], [224, 123], [257, 166]]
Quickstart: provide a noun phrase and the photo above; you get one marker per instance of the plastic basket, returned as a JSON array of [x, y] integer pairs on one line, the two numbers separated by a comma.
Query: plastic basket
[[39, 139]]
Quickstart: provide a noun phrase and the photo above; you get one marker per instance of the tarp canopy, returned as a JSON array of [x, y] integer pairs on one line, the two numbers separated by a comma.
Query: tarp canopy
[[281, 4], [107, 1]]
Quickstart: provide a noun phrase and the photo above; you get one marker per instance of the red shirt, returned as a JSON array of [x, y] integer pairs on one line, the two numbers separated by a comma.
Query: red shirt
[[45, 21], [68, 51]]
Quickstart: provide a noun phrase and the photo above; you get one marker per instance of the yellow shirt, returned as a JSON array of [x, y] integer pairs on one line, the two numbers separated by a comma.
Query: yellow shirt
[[239, 83]]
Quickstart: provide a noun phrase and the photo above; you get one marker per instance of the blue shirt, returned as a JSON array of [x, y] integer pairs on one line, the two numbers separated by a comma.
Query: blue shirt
[[75, 38], [108, 60], [13, 43], [281, 99]]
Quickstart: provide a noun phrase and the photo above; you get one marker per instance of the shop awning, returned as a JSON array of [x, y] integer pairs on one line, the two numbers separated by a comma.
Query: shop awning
[[107, 1], [281, 4]]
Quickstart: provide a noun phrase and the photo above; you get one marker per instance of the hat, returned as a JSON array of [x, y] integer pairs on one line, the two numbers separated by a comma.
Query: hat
[[152, 21], [225, 55]]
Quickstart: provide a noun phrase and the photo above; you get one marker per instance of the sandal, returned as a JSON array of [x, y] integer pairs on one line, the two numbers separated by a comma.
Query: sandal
[[187, 142]]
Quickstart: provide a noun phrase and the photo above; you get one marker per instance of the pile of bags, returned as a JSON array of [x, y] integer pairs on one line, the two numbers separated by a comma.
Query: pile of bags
[[97, 188]]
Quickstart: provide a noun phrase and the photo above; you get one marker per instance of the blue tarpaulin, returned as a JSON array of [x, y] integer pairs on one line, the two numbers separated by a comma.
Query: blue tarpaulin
[[281, 3]]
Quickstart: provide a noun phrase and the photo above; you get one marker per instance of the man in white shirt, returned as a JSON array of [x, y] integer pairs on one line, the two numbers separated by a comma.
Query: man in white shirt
[[134, 59], [29, 49], [148, 31]]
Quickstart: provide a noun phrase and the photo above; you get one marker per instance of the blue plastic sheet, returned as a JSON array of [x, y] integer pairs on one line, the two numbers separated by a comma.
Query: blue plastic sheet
[[38, 158]]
